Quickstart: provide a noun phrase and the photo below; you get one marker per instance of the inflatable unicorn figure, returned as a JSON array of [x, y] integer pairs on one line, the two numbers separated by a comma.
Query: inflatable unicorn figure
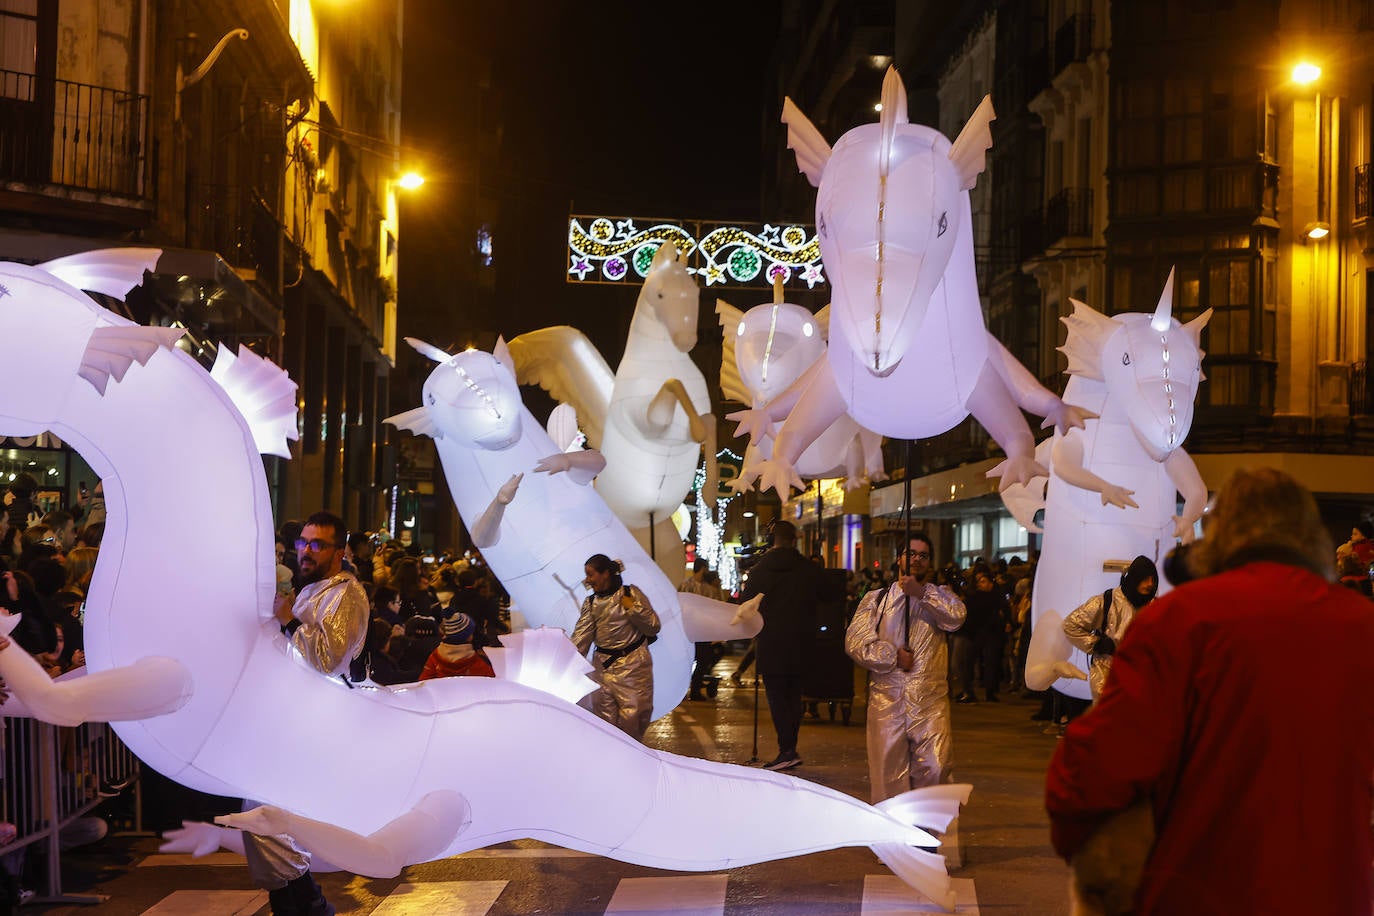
[[650, 418], [909, 356], [766, 349], [536, 530], [1113, 485], [188, 663]]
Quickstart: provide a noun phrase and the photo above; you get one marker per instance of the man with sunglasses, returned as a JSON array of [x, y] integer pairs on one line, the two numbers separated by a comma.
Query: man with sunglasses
[[898, 634]]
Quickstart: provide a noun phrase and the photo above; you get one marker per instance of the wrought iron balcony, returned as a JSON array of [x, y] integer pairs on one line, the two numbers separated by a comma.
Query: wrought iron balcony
[[71, 135], [1069, 214]]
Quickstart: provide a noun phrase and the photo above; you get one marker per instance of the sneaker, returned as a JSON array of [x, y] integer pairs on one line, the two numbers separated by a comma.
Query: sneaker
[[784, 762]]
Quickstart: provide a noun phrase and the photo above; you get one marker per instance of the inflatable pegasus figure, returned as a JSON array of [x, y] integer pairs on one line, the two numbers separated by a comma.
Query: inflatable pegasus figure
[[187, 662], [532, 511], [650, 418], [909, 356], [766, 349], [1113, 487]]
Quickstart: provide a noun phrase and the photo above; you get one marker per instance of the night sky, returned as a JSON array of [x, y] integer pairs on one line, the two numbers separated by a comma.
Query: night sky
[[614, 108]]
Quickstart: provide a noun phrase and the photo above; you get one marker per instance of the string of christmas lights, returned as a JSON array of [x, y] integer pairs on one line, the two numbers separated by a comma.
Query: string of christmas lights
[[615, 250]]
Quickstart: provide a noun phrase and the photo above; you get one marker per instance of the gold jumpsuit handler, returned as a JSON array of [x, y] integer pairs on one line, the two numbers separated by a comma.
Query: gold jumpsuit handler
[[619, 620], [898, 634]]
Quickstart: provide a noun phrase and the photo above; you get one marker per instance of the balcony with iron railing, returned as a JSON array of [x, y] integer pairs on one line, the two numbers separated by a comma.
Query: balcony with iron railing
[[1069, 214], [63, 134], [1073, 40]]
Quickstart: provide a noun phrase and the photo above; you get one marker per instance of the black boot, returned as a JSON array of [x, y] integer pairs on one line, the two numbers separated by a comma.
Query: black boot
[[283, 902], [308, 897]]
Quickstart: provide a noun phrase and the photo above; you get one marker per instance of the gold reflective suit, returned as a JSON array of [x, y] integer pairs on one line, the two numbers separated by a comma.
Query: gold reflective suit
[[621, 620], [908, 711], [333, 613]]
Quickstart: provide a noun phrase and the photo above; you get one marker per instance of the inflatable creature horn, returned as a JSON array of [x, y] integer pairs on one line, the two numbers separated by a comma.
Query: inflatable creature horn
[[428, 349], [1163, 316]]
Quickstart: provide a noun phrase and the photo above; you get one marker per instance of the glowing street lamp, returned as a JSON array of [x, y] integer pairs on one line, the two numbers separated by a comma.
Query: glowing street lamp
[[1306, 73], [412, 180]]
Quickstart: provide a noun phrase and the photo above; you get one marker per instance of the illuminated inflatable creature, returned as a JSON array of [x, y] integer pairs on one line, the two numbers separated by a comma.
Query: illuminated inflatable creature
[[188, 663], [651, 418], [536, 530], [1113, 487], [909, 356], [766, 349]]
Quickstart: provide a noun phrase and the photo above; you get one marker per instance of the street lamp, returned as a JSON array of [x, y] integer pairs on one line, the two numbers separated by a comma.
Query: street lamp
[[411, 180], [1305, 73], [1317, 231]]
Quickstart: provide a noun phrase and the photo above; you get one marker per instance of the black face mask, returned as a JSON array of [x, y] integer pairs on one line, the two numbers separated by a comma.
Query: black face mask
[[1141, 568]]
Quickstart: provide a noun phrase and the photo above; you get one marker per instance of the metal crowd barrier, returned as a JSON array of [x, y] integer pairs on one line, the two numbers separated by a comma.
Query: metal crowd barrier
[[52, 777]]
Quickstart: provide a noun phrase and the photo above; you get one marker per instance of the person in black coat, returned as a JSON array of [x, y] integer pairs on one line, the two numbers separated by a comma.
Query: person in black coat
[[790, 585]]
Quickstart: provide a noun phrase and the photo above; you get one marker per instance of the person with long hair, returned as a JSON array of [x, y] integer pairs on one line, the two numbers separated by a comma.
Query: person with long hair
[[1226, 763], [619, 621]]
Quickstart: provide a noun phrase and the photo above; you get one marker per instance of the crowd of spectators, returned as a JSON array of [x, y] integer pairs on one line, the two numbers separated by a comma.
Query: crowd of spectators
[[989, 651], [431, 615]]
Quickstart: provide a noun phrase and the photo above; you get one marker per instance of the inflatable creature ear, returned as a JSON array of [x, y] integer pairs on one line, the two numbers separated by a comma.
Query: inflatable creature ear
[[417, 421], [502, 353], [894, 114], [803, 138], [666, 254], [429, 350], [732, 387], [969, 152], [823, 319], [1194, 327]]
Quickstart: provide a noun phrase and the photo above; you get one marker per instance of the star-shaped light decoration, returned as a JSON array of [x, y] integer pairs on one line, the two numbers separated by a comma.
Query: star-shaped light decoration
[[769, 235], [812, 275], [580, 266], [713, 274], [625, 228]]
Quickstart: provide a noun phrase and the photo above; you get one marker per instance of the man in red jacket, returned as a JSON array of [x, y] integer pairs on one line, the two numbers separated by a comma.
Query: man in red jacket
[[1251, 754]]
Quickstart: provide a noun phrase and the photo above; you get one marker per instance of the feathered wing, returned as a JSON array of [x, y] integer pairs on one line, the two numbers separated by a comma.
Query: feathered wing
[[732, 387], [802, 137], [563, 362]]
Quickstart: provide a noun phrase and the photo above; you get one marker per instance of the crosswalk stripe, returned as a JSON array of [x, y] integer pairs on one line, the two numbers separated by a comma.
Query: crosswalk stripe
[[452, 898], [888, 895], [209, 903], [692, 895], [174, 858], [708, 744]]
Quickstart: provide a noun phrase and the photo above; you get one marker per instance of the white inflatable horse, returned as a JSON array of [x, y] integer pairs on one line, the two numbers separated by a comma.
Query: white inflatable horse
[[1113, 487], [909, 356], [536, 526], [651, 418], [187, 661]]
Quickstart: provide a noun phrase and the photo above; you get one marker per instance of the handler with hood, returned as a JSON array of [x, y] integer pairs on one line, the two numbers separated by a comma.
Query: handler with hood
[[1096, 627]]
